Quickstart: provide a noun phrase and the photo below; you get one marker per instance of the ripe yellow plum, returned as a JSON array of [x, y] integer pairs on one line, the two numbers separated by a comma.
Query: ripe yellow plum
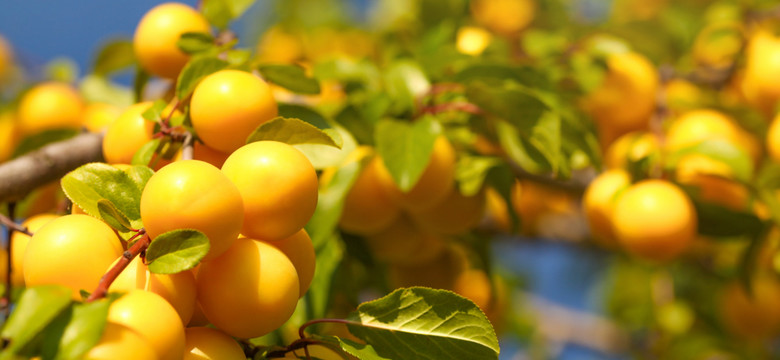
[[154, 42], [278, 185], [153, 318], [19, 243], [472, 40], [403, 242], [248, 291], [504, 16], [72, 250], [193, 194], [761, 68], [713, 181], [127, 135], [204, 343], [367, 207], [228, 105], [753, 316], [120, 342], [8, 135], [629, 147], [98, 116], [599, 203], [455, 215], [655, 220], [300, 250], [50, 105], [699, 125], [177, 289]]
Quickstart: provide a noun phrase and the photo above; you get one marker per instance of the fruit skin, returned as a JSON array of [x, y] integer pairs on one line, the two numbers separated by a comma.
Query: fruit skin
[[655, 220], [127, 134], [50, 105], [153, 318], [19, 243], [278, 185], [120, 342], [72, 250], [154, 42], [204, 343], [404, 243], [773, 139], [177, 289], [761, 68], [367, 207], [712, 181], [599, 203], [504, 16], [752, 317], [472, 40], [300, 250], [248, 291], [454, 215], [98, 116], [435, 183], [625, 100], [228, 105], [699, 125], [632, 146]]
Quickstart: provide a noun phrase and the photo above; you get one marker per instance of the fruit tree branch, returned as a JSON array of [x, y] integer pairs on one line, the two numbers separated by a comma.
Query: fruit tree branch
[[128, 256], [20, 176]]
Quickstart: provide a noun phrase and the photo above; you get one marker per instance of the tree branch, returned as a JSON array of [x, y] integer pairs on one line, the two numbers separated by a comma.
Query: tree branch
[[20, 176], [128, 256]]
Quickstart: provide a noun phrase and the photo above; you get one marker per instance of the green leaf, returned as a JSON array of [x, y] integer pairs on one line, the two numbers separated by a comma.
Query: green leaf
[[176, 251], [290, 77], [155, 112], [329, 256], [90, 183], [36, 309], [101, 89], [324, 156], [220, 12], [195, 42], [304, 113], [62, 69], [139, 83], [82, 331], [330, 202], [404, 82], [112, 216], [195, 70], [145, 154], [422, 323], [518, 106], [520, 149], [719, 221], [722, 150], [406, 148], [140, 175], [471, 172], [486, 72], [361, 127], [115, 55], [294, 131], [46, 137]]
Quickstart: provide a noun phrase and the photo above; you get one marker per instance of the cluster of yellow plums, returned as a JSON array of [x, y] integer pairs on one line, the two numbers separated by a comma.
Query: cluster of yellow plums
[[251, 201]]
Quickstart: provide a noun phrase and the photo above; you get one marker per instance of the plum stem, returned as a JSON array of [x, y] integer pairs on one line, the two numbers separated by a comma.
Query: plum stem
[[128, 256]]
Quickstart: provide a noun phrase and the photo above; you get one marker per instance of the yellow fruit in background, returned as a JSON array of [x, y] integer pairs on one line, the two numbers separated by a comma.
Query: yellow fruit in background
[[404, 242], [300, 250], [683, 95], [6, 56], [50, 105], [631, 147], [177, 289], [120, 342], [153, 318], [773, 139], [98, 116], [72, 250], [762, 67], [454, 215], [277, 45], [193, 194], [475, 285], [19, 243], [472, 40], [367, 207], [625, 100], [278, 185], [712, 181], [496, 211], [753, 316], [699, 125], [654, 220], [204, 343], [228, 105], [435, 183], [8, 135], [532, 201], [438, 273], [127, 135], [156, 35], [504, 16], [599, 203], [248, 291], [718, 44]]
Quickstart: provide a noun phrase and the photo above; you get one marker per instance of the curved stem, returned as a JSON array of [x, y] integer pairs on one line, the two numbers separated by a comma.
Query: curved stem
[[11, 225], [128, 256], [302, 333]]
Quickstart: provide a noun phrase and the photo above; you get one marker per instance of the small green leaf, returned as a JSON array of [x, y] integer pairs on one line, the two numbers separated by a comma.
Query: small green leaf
[[96, 88], [112, 216], [357, 124], [719, 221], [525, 75], [471, 172], [520, 149], [62, 69], [36, 309], [722, 150], [220, 12], [294, 131], [145, 154], [90, 183], [154, 112], [176, 251], [397, 325], [37, 141], [238, 57], [139, 174], [195, 42], [84, 329], [195, 70], [115, 55], [404, 82], [139, 83], [304, 113], [290, 77], [517, 105], [328, 257], [406, 148]]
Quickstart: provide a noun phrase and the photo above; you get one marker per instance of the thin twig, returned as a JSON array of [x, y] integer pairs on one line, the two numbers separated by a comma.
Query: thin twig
[[9, 231], [128, 256], [7, 222]]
